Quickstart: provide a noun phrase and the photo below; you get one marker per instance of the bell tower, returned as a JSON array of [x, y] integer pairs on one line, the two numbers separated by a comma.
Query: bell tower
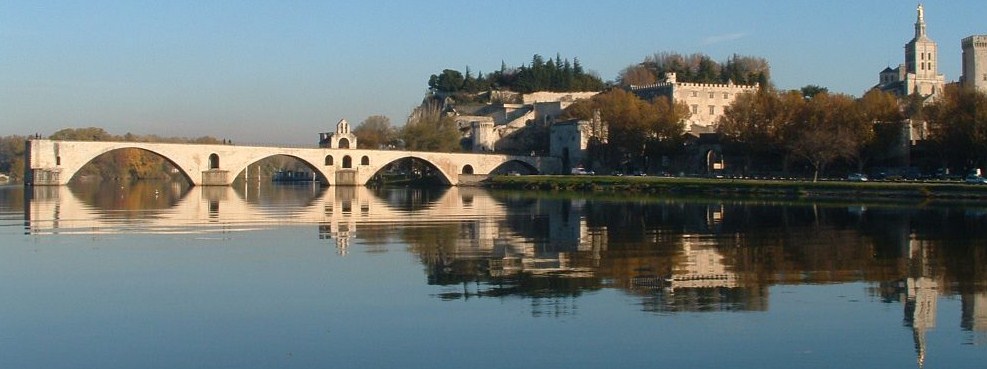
[[920, 53]]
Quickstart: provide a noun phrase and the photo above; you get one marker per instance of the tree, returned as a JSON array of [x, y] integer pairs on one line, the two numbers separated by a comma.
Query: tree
[[754, 125], [449, 81], [636, 127], [12, 156], [375, 132], [810, 91], [428, 129], [881, 112], [637, 75], [827, 129], [958, 124]]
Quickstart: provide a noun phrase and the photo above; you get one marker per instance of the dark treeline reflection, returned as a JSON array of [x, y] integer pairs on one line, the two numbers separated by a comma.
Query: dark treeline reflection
[[689, 255]]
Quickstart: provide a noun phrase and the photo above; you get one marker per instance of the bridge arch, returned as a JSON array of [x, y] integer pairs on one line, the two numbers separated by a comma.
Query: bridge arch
[[467, 169], [518, 166], [71, 170], [443, 176], [320, 175]]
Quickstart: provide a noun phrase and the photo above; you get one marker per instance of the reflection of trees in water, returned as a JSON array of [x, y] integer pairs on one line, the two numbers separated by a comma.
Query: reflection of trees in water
[[409, 199], [134, 197], [298, 194], [755, 244]]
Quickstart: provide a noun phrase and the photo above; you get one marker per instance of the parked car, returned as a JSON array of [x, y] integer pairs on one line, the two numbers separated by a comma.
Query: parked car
[[581, 171], [975, 179], [856, 177]]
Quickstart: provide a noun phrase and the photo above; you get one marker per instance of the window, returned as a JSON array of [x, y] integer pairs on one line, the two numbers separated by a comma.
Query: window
[[695, 109], [328, 160], [213, 161], [694, 94], [712, 110], [365, 160], [726, 96], [712, 95]]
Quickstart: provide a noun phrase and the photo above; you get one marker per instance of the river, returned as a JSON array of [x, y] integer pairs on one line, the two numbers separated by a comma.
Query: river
[[159, 275]]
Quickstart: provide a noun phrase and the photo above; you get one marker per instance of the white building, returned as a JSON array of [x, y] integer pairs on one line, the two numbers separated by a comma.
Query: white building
[[706, 101]]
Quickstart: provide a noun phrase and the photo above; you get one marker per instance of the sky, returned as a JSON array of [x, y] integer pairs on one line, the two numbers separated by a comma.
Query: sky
[[280, 72]]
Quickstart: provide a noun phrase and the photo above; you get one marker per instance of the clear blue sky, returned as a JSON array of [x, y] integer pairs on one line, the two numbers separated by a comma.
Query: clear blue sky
[[282, 71]]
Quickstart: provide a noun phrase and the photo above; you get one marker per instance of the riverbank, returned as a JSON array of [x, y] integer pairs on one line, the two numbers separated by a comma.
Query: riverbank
[[928, 190]]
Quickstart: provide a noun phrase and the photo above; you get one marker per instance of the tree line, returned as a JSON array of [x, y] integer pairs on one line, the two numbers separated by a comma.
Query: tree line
[[558, 75], [773, 130], [697, 68]]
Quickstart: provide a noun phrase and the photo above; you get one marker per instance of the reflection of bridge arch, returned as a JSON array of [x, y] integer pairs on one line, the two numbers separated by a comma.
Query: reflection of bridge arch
[[55, 162], [60, 210]]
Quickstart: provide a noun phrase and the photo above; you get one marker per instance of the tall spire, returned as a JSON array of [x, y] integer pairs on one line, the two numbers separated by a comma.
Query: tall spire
[[920, 22]]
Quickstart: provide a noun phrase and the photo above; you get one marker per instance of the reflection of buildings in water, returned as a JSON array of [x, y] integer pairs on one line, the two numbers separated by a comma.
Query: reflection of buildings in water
[[704, 267], [700, 280], [921, 296], [974, 311], [920, 311]]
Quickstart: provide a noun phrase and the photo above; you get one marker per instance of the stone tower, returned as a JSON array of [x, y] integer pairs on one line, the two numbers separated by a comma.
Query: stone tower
[[921, 62], [975, 63]]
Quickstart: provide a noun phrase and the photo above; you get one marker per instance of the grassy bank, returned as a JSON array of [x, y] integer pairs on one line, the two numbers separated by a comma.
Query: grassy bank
[[747, 187]]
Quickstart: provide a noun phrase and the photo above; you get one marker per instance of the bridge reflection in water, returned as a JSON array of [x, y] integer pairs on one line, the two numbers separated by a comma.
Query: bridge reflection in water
[[674, 255]]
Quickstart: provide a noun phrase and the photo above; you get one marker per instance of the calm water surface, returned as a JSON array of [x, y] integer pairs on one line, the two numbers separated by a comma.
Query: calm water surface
[[155, 275]]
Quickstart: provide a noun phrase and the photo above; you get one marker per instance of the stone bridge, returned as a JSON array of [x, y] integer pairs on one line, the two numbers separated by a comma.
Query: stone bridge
[[50, 162]]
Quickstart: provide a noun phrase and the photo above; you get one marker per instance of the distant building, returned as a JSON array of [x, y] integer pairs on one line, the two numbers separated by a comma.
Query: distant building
[[501, 126], [706, 101], [919, 75], [570, 140], [975, 63], [341, 139]]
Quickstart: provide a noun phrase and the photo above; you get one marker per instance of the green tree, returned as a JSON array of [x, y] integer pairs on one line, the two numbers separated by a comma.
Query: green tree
[[375, 132], [449, 81], [810, 91]]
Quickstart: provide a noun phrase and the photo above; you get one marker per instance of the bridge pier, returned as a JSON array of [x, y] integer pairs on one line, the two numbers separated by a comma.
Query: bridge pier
[[215, 177], [43, 176]]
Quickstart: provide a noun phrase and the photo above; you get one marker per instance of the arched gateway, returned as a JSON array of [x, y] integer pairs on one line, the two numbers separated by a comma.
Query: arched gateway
[[52, 162]]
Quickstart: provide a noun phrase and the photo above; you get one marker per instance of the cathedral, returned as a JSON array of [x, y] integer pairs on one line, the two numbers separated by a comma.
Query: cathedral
[[920, 74]]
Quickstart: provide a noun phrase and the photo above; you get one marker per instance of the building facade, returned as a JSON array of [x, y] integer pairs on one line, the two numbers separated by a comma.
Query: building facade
[[706, 101], [975, 63], [920, 72]]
